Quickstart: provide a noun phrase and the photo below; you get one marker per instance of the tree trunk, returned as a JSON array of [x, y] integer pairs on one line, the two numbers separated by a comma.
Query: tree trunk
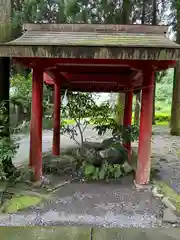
[[154, 102], [5, 35], [143, 12], [60, 15], [154, 12], [127, 8], [120, 108], [20, 114], [138, 95], [137, 109], [175, 108], [4, 92], [154, 22]]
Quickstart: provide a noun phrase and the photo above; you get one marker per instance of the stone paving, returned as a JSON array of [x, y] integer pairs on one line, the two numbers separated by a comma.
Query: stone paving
[[87, 233]]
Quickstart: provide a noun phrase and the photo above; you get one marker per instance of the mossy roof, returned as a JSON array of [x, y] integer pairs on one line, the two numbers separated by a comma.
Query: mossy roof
[[93, 41]]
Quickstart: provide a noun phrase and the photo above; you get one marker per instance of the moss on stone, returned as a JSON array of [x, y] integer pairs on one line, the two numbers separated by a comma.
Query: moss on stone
[[19, 203], [170, 193], [5, 32]]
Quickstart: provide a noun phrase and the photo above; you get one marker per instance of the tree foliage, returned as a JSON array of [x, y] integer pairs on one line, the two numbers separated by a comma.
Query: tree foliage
[[110, 12]]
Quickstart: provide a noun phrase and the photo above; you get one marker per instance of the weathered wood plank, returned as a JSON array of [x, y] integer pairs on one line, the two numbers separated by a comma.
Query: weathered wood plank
[[93, 52], [111, 28]]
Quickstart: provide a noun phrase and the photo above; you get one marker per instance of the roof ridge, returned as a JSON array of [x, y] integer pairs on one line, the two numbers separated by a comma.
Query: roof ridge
[[99, 28]]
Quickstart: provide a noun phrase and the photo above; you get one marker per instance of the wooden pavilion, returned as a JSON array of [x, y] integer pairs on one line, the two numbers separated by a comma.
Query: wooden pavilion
[[93, 58]]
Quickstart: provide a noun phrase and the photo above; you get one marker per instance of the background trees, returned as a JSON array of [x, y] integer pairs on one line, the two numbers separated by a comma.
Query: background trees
[[115, 11], [175, 110]]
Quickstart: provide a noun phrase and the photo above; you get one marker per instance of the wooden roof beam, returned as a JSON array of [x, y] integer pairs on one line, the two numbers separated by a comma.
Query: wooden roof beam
[[98, 78], [67, 63]]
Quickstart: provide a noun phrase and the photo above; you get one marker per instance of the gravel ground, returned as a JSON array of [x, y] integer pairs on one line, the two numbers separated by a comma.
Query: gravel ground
[[166, 156], [101, 204], [113, 204]]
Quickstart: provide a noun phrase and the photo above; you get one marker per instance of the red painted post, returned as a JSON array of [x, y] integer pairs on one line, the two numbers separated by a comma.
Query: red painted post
[[30, 149], [35, 158], [128, 115], [56, 126], [144, 149]]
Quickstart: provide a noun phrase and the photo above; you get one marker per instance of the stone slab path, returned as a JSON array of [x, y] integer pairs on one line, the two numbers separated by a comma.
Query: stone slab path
[[87, 233]]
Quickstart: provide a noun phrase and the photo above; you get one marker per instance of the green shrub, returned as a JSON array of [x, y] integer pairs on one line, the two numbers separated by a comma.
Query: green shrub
[[161, 107], [162, 117], [105, 172]]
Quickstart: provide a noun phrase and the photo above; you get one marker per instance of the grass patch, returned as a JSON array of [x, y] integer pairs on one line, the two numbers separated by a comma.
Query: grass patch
[[162, 119], [19, 203], [161, 123], [170, 193], [48, 123], [69, 121]]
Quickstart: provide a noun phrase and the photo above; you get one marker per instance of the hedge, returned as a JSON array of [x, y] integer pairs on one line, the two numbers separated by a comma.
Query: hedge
[[162, 117]]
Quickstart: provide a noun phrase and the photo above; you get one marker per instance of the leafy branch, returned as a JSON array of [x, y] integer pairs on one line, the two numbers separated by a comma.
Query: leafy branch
[[80, 108]]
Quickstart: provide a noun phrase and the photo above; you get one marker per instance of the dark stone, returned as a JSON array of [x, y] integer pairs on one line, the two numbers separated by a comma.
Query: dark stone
[[169, 216], [113, 156], [92, 156], [59, 165], [94, 145], [99, 145], [94, 153], [107, 143], [106, 152]]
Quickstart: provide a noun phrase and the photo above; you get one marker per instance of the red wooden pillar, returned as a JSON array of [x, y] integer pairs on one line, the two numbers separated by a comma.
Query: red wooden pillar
[[144, 149], [56, 126], [128, 114], [35, 158]]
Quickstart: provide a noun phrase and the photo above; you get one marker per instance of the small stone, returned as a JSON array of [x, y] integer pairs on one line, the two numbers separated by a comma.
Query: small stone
[[127, 168], [169, 216], [175, 225], [156, 193], [37, 184], [94, 145], [168, 203], [142, 187], [159, 223], [45, 181]]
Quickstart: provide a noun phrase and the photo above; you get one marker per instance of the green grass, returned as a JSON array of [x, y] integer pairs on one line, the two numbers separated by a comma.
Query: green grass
[[69, 121], [162, 119], [163, 123], [48, 123]]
